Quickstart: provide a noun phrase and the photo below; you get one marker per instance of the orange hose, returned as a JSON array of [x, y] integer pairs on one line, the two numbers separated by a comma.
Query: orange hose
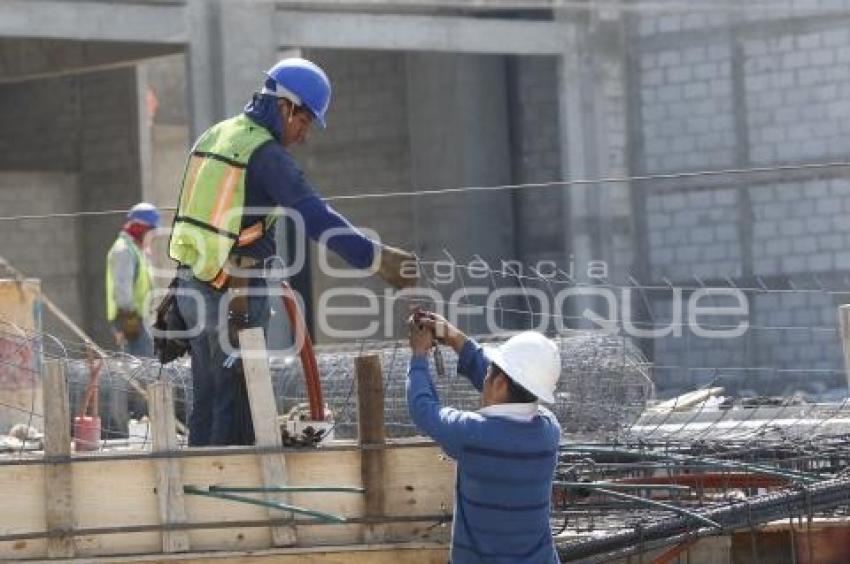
[[308, 357]]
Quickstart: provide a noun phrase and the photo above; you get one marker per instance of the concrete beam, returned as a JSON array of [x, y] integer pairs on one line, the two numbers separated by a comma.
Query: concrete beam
[[30, 59], [421, 33], [93, 21]]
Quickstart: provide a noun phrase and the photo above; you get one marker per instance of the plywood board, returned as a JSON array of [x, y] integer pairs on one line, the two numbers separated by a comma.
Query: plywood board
[[261, 396], [410, 553], [116, 493]]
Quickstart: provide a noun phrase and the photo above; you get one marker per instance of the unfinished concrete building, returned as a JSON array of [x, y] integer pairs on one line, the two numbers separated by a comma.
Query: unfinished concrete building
[[661, 157]]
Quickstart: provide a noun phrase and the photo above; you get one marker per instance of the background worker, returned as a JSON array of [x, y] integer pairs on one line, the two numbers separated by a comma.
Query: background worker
[[506, 452], [128, 281], [244, 162]]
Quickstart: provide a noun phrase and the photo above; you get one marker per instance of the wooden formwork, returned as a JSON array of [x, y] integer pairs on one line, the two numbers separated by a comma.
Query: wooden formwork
[[114, 501], [112, 505], [20, 381]]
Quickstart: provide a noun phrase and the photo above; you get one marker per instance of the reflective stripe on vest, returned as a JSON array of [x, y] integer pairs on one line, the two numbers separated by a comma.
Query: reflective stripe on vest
[[142, 284], [209, 216]]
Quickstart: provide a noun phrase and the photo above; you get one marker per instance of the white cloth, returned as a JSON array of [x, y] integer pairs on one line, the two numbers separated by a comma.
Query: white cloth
[[123, 262], [522, 412]]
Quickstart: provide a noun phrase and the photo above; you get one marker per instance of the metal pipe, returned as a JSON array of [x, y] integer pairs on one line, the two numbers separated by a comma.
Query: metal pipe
[[618, 486], [824, 495], [667, 506], [322, 516], [756, 468], [287, 489]]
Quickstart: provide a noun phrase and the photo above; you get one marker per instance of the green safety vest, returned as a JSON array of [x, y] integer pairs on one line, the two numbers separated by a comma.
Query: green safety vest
[[209, 217], [141, 286]]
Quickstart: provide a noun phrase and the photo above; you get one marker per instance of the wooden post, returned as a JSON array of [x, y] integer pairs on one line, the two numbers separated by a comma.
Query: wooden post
[[844, 321], [258, 381], [371, 432], [169, 478], [57, 475]]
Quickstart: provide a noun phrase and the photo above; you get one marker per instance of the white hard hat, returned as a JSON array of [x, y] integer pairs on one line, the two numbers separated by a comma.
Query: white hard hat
[[532, 361]]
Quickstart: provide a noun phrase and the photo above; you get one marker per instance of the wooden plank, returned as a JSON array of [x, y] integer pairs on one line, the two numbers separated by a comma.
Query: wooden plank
[[59, 503], [169, 478], [844, 321], [266, 430], [115, 493], [409, 553], [371, 431]]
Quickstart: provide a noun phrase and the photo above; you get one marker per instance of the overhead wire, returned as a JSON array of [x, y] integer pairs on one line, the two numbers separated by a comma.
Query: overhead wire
[[496, 188]]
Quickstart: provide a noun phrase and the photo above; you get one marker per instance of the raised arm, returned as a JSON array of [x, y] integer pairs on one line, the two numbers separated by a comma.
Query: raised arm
[[471, 360]]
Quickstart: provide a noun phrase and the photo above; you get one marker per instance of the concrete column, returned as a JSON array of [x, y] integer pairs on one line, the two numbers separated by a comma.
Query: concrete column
[[231, 43], [145, 137], [248, 47], [203, 65], [585, 151], [591, 219]]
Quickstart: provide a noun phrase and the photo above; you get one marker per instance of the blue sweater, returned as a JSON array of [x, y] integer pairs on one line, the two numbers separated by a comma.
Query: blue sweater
[[273, 178], [504, 470]]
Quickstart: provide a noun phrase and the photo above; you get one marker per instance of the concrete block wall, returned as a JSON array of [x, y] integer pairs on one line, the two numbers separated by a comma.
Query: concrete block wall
[[687, 107], [801, 227], [45, 249], [797, 87], [694, 234], [811, 340], [680, 20], [38, 120], [757, 95], [685, 361], [84, 127]]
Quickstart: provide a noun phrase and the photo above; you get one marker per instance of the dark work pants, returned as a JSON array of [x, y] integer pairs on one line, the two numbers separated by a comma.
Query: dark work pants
[[220, 410]]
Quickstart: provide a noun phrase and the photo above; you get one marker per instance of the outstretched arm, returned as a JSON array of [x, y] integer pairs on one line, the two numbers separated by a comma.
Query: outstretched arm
[[285, 184]]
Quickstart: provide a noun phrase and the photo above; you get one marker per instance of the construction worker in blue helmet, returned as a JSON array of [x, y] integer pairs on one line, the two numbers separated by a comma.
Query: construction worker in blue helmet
[[244, 163], [129, 283]]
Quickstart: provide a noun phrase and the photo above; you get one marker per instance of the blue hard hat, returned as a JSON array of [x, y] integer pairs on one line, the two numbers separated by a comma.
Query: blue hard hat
[[301, 82], [144, 213]]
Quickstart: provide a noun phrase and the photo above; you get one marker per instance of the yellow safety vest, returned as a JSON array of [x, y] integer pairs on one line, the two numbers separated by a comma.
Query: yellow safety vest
[[141, 285], [209, 217]]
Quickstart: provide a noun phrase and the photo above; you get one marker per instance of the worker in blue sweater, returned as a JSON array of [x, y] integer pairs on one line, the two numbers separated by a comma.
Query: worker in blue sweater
[[238, 172], [506, 451]]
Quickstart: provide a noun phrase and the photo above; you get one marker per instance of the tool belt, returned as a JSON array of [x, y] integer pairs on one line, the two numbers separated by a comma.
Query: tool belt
[[168, 321], [225, 279]]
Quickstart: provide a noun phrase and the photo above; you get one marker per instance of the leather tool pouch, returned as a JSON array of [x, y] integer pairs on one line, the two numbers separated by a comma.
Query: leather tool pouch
[[168, 321]]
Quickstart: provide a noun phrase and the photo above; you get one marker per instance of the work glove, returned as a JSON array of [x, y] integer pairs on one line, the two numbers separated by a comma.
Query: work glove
[[397, 268], [130, 324]]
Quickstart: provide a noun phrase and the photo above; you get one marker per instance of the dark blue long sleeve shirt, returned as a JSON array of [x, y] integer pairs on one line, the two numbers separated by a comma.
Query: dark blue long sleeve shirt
[[505, 469], [273, 178]]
